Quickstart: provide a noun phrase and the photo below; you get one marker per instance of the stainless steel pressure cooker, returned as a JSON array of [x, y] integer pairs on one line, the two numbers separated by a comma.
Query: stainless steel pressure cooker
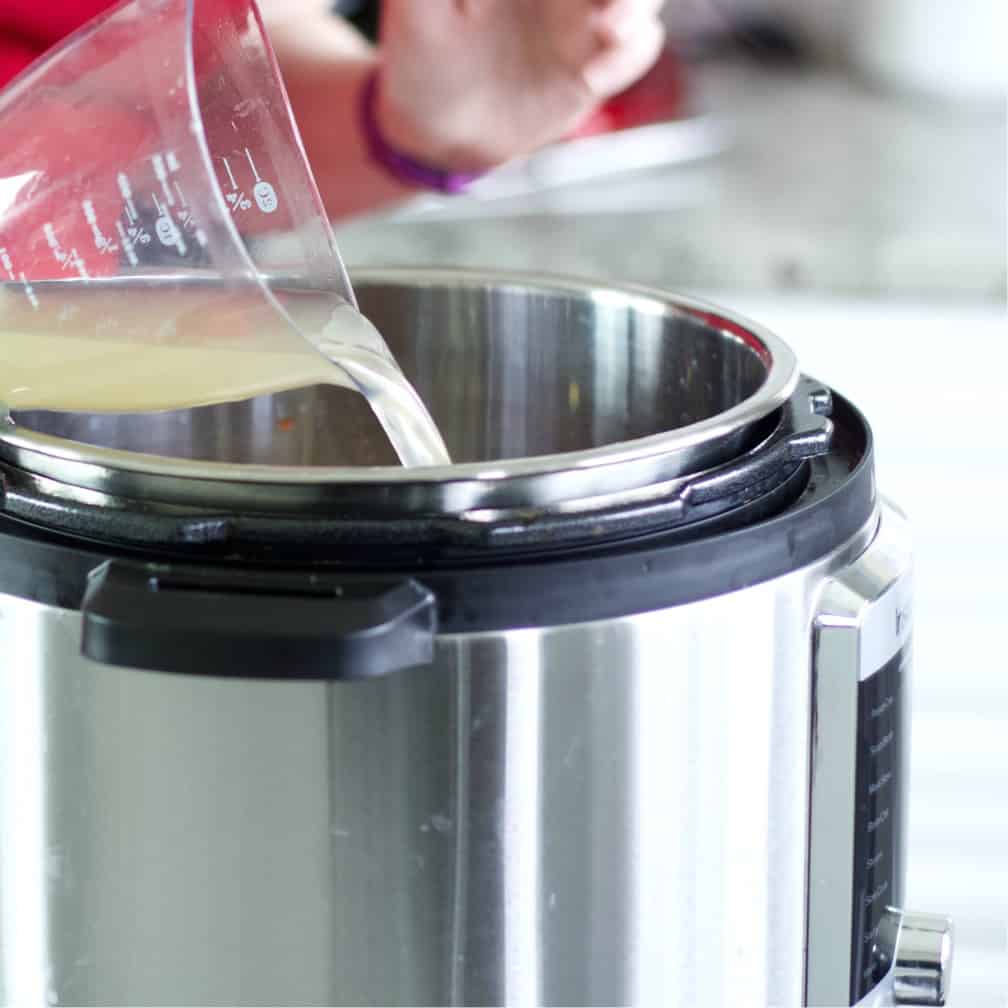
[[613, 710]]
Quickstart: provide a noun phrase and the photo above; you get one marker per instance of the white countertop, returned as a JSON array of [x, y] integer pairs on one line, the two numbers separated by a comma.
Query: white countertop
[[934, 385]]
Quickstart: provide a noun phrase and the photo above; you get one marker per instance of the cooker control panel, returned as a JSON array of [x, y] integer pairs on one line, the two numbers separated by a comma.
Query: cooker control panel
[[879, 803], [861, 947]]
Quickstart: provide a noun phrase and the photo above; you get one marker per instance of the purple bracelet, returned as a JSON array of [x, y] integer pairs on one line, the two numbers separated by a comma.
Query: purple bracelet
[[399, 164]]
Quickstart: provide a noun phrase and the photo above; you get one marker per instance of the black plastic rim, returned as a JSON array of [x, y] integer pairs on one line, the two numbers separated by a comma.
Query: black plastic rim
[[822, 504]]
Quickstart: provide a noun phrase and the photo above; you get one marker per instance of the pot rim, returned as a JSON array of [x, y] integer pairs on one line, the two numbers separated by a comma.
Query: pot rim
[[534, 481]]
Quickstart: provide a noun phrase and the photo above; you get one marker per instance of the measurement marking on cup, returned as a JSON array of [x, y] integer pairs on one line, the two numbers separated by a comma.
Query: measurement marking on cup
[[137, 235], [264, 193], [167, 230], [185, 214], [8, 265], [53, 242], [190, 225], [75, 261], [127, 244], [103, 243], [66, 260], [127, 194], [238, 201], [173, 164], [252, 164], [161, 174]]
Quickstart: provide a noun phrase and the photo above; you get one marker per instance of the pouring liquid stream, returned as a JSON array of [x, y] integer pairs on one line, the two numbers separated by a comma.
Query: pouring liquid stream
[[146, 347]]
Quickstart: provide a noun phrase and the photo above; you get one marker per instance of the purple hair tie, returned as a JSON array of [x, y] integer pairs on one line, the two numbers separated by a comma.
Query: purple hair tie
[[399, 164]]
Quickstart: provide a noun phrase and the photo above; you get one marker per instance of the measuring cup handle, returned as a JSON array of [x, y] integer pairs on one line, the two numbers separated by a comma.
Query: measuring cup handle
[[201, 621]]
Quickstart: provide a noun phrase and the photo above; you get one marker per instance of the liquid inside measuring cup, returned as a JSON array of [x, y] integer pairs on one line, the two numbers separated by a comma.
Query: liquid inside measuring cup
[[142, 347], [151, 180]]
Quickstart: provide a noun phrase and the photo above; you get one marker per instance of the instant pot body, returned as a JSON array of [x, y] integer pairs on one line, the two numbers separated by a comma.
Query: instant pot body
[[622, 731]]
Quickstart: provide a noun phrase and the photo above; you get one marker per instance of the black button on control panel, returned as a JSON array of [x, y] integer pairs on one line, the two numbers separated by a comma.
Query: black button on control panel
[[878, 821]]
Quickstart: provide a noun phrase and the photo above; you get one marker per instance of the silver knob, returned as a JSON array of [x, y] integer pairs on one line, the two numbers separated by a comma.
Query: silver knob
[[923, 959]]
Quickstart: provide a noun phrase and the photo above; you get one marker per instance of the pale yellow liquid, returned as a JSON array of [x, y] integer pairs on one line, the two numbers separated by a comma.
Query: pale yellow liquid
[[147, 348]]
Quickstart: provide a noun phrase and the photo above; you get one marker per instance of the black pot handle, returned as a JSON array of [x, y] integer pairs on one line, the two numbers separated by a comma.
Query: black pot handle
[[203, 621]]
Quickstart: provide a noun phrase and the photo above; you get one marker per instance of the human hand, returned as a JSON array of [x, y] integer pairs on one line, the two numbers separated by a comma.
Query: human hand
[[470, 84]]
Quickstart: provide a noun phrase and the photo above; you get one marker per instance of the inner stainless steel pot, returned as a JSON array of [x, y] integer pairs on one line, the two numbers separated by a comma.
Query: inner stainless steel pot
[[546, 391]]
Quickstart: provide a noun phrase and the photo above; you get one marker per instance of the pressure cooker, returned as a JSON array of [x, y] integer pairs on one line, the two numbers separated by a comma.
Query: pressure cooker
[[612, 710]]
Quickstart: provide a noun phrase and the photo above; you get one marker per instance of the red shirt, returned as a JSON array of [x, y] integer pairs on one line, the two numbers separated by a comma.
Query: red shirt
[[29, 27]]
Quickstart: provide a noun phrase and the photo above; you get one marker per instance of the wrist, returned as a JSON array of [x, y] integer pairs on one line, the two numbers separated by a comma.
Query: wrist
[[409, 152]]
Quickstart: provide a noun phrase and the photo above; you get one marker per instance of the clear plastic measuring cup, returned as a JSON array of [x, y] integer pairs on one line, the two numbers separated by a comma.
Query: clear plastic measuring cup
[[154, 194], [159, 137]]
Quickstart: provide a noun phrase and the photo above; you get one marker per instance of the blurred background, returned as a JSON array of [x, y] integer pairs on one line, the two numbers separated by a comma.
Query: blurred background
[[835, 169], [798, 146]]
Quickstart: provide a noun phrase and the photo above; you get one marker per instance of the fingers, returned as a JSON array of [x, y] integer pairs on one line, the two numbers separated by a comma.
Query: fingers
[[596, 38], [630, 24], [623, 55], [622, 18]]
